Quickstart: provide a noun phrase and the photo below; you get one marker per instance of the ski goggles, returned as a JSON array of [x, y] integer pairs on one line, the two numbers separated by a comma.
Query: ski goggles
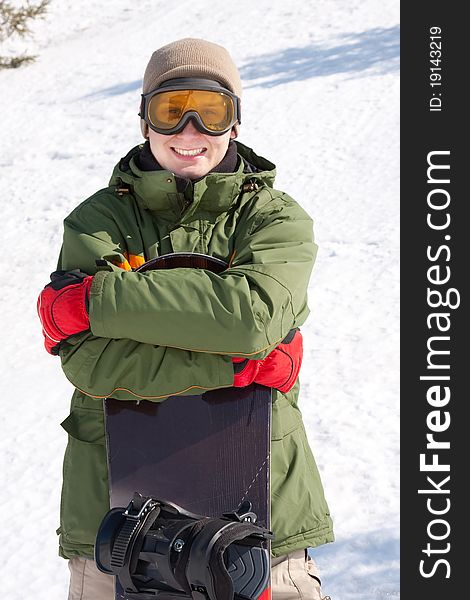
[[213, 108]]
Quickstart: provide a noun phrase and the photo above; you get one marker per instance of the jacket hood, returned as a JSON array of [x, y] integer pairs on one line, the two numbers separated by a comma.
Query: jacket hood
[[156, 190]]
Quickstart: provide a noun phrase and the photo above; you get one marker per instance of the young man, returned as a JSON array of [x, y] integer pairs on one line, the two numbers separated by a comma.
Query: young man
[[190, 187]]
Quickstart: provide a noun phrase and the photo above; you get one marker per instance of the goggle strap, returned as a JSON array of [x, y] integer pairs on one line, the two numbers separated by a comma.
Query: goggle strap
[[142, 106]]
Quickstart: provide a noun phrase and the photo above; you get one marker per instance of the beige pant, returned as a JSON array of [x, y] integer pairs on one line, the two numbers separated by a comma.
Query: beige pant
[[293, 577]]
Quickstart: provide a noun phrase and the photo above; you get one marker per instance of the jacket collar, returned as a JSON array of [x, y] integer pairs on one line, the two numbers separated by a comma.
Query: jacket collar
[[146, 161], [158, 191]]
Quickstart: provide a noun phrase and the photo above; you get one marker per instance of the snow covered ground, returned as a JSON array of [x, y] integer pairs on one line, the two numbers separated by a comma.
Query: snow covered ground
[[321, 93]]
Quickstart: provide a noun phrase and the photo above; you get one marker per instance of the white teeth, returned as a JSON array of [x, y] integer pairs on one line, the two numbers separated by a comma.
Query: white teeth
[[188, 152]]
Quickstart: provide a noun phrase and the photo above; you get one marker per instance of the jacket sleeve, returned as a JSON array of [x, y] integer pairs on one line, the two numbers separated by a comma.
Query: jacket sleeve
[[246, 310], [129, 370], [125, 368]]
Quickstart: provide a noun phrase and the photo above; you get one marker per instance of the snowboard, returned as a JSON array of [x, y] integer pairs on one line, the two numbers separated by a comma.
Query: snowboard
[[206, 453]]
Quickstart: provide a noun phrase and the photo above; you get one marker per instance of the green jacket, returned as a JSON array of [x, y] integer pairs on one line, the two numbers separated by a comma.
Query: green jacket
[[163, 333]]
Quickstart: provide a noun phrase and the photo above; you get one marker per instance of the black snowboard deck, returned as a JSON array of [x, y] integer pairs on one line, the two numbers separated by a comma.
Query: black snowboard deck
[[205, 453]]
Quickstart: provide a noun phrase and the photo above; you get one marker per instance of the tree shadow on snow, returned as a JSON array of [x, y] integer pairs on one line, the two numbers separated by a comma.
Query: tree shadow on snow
[[116, 90], [377, 49], [363, 567]]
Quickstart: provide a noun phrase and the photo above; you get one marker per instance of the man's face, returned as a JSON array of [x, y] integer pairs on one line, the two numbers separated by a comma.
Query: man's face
[[189, 153]]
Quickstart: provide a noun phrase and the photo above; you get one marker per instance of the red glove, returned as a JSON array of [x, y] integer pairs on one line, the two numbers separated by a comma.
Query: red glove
[[278, 370], [63, 307]]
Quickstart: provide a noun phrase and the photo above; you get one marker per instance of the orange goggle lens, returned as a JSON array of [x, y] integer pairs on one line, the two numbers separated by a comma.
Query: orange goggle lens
[[215, 109]]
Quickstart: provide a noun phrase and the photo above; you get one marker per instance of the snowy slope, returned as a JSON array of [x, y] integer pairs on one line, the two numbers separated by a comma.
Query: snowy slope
[[321, 92]]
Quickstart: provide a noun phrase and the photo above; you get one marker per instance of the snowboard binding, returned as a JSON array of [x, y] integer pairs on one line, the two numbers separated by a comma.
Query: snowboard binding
[[158, 550]]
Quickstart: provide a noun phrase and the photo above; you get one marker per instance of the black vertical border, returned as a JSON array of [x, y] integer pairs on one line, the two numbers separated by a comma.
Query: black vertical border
[[424, 131]]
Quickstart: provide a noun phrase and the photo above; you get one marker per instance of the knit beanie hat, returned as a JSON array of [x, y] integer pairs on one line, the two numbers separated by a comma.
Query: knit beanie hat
[[191, 57]]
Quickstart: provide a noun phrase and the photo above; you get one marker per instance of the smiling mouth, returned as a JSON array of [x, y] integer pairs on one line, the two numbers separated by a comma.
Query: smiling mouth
[[189, 152]]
